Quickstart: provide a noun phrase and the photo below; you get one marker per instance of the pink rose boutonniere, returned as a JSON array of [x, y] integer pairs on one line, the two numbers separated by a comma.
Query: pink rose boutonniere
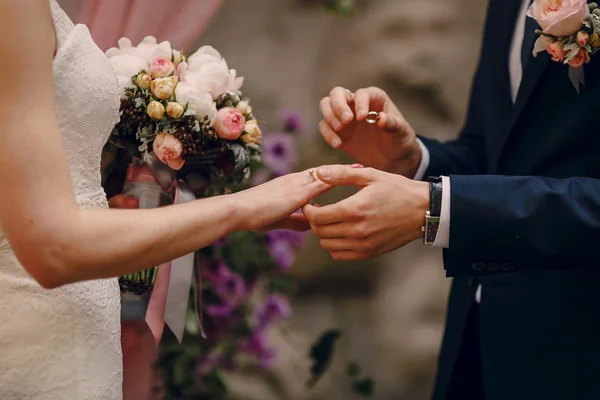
[[570, 33]]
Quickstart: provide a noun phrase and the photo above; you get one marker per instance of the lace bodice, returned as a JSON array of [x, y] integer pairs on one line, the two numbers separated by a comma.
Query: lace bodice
[[87, 102], [65, 343]]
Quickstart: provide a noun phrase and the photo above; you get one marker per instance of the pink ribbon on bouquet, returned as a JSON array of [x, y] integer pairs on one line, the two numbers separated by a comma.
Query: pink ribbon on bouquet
[[170, 295]]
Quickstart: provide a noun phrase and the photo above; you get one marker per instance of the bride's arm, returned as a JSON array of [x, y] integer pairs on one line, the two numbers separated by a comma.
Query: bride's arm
[[56, 241]]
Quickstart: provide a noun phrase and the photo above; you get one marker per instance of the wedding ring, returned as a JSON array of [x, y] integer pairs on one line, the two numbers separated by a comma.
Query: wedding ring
[[311, 172], [372, 117]]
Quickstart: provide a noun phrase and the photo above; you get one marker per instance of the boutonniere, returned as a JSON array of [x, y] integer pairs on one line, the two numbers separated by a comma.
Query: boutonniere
[[570, 33]]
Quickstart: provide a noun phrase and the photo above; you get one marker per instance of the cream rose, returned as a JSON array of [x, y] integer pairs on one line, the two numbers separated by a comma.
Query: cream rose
[[174, 110], [168, 149], [163, 88], [253, 133], [559, 17], [143, 81], [156, 110], [244, 107]]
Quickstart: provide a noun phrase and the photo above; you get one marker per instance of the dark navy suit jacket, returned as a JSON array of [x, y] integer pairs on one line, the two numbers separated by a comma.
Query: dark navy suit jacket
[[525, 223]]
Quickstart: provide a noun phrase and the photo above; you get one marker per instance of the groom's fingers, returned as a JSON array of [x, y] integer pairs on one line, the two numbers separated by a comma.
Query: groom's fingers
[[340, 99], [328, 114], [329, 135], [345, 175], [368, 99], [326, 215]]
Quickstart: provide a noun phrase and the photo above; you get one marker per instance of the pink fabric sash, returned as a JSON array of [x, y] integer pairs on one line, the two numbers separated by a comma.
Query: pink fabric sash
[[170, 296]]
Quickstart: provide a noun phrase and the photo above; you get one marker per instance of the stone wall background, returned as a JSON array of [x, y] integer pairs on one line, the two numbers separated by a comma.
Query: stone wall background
[[292, 52]]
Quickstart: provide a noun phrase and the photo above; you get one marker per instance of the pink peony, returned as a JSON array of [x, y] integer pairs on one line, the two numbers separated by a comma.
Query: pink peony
[[559, 17], [581, 58], [556, 51], [168, 150], [229, 123], [161, 67]]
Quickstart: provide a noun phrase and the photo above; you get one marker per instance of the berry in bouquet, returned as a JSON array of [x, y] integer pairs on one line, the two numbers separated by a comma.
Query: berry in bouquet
[[185, 130]]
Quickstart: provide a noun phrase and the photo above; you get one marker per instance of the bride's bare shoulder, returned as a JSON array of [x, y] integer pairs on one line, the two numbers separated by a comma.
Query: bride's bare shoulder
[[30, 25]]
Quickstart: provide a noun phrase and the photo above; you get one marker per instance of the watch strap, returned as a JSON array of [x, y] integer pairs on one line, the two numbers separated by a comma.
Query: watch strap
[[435, 196]]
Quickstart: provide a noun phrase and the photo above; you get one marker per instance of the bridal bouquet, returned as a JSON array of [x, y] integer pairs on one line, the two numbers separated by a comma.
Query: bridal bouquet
[[186, 128]]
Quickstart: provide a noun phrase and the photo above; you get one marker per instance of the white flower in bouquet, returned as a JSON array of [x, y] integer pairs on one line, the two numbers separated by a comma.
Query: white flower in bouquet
[[207, 70], [127, 60], [199, 102]]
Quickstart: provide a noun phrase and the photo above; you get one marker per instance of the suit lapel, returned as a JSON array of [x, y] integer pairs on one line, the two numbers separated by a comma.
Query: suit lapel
[[533, 71]]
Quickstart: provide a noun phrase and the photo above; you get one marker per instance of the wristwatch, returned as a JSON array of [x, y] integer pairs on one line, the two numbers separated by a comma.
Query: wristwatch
[[432, 217]]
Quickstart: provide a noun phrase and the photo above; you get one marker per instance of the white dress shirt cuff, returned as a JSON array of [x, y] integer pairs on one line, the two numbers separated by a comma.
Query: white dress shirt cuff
[[442, 239], [424, 162]]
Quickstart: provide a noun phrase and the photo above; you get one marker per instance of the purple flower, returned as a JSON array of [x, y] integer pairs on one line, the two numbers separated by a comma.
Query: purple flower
[[216, 271], [279, 152], [219, 310], [256, 345], [282, 254], [276, 307], [231, 289], [292, 121], [295, 239]]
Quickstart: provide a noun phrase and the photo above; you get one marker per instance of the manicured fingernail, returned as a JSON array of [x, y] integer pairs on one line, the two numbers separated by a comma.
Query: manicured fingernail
[[335, 142], [336, 124], [346, 117], [130, 202], [325, 172], [357, 166]]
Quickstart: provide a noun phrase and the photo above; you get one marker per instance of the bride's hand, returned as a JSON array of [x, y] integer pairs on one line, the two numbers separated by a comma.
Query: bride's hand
[[273, 205]]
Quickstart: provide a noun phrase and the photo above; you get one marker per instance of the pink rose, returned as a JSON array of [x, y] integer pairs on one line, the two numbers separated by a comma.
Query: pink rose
[[581, 58], [161, 67], [582, 38], [229, 123], [556, 51], [168, 150], [559, 17]]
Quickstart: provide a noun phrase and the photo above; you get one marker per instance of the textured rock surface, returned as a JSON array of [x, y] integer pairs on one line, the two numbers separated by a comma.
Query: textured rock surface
[[292, 53]]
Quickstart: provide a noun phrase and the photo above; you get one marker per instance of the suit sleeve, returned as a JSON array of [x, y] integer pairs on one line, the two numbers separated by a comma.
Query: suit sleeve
[[467, 154], [504, 224]]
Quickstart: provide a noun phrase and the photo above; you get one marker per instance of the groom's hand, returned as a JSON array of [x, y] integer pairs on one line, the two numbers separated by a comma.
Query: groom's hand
[[386, 213], [388, 145]]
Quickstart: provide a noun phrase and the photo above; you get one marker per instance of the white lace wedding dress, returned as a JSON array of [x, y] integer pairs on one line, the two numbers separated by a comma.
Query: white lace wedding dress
[[64, 344]]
